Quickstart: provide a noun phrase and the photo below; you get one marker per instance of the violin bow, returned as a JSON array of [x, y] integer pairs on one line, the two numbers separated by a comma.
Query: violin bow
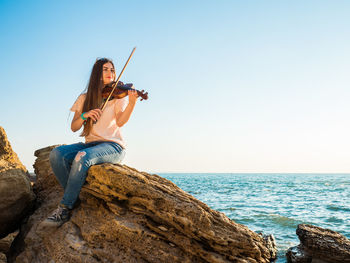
[[115, 84]]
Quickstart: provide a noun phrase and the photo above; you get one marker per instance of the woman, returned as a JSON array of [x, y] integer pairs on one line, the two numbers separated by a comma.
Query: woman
[[103, 139]]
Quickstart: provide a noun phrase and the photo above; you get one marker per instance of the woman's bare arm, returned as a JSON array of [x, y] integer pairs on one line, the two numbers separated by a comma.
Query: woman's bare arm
[[123, 116], [77, 121]]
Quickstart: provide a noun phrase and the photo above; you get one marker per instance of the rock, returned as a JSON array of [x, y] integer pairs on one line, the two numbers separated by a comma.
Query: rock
[[16, 194], [132, 216], [45, 179], [3, 258], [297, 254], [319, 245], [271, 245], [6, 242]]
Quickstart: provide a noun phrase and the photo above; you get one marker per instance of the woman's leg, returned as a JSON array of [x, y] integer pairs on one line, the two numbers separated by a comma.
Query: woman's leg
[[61, 159], [103, 152]]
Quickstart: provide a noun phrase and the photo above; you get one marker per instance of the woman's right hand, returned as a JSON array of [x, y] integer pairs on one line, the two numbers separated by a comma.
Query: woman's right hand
[[94, 114]]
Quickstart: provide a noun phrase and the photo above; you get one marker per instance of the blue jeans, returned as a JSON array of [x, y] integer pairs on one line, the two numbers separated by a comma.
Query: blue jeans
[[70, 164]]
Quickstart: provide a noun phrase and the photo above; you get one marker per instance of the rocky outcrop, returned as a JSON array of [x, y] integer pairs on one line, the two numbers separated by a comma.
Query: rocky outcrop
[[319, 245], [132, 216], [16, 195], [5, 245], [45, 179]]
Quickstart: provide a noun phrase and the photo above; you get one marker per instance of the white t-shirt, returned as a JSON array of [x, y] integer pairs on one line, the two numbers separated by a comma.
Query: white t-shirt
[[106, 128]]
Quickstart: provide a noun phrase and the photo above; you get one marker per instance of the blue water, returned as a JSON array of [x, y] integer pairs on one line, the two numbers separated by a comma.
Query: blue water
[[274, 203]]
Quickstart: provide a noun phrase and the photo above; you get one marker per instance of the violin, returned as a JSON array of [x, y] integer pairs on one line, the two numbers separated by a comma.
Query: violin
[[121, 90]]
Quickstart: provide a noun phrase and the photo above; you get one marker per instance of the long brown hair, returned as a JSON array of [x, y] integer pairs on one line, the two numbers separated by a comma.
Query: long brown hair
[[93, 97]]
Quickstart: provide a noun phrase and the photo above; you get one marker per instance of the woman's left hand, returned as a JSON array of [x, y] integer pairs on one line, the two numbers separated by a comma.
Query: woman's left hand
[[132, 96]]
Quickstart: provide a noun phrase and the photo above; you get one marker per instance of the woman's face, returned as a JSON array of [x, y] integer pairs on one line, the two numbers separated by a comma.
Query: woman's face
[[108, 73]]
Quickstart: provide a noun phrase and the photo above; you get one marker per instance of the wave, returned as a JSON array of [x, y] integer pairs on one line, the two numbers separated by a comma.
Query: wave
[[334, 219], [338, 208], [194, 192], [245, 220], [280, 220]]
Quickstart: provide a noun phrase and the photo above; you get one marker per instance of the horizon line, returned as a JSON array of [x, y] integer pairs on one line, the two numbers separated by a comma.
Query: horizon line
[[153, 172]]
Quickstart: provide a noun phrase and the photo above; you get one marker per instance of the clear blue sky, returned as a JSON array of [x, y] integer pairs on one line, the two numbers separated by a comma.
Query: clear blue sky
[[234, 86]]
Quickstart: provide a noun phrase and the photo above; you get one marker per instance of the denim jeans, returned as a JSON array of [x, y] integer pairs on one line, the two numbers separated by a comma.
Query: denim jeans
[[70, 164]]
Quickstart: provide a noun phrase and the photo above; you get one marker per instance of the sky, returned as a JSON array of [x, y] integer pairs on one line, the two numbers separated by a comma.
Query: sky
[[234, 86]]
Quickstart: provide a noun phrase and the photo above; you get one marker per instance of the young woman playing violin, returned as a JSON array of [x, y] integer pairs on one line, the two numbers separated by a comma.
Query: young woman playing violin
[[103, 138]]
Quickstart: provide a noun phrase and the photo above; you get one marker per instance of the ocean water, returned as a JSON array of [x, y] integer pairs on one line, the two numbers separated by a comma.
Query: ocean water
[[274, 203]]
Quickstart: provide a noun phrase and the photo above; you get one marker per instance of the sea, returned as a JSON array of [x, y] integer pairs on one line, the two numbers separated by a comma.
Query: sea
[[274, 203]]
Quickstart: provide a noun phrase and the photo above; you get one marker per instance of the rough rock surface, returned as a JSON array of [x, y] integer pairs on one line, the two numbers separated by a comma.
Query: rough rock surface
[[131, 216], [5, 244], [3, 258], [319, 245], [16, 194]]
